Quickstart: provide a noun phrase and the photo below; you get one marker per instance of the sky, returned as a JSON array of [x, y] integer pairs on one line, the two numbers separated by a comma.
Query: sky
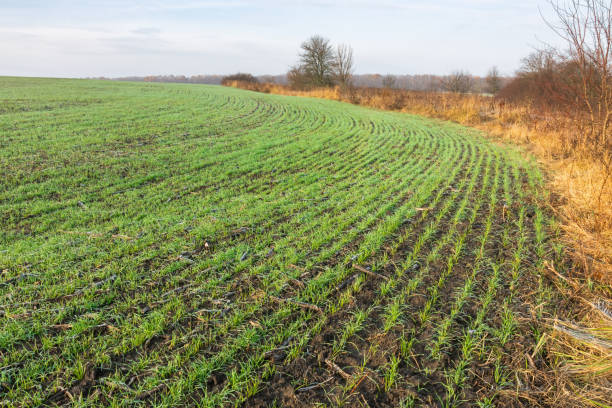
[[114, 38]]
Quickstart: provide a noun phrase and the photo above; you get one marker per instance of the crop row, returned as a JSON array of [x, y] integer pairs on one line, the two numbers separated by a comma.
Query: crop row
[[181, 245]]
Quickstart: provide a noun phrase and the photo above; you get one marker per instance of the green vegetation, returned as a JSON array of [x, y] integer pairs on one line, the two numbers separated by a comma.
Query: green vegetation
[[183, 245]]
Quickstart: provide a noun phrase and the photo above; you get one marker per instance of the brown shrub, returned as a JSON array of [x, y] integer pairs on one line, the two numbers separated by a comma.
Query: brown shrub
[[239, 77]]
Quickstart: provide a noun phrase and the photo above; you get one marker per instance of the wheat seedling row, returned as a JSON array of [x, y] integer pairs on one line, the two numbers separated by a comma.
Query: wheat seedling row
[[184, 245]]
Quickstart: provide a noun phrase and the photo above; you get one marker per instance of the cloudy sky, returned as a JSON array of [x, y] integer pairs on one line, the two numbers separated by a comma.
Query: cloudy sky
[[80, 38]]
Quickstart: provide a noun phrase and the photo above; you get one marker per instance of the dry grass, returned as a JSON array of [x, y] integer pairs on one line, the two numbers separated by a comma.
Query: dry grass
[[580, 346]]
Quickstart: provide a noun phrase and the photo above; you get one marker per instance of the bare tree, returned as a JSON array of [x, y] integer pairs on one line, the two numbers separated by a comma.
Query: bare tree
[[317, 61], [586, 25], [389, 81], [343, 65], [296, 77], [493, 81], [459, 82]]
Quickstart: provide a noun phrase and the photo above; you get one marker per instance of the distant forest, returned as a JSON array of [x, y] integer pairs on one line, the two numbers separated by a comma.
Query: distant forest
[[409, 82]]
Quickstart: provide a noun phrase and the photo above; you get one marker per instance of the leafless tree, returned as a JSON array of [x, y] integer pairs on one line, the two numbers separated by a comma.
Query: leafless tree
[[317, 61], [297, 79], [459, 82], [586, 26], [493, 81], [343, 65], [389, 81]]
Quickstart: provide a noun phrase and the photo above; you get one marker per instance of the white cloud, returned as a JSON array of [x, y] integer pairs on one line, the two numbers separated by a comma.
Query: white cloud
[[126, 37]]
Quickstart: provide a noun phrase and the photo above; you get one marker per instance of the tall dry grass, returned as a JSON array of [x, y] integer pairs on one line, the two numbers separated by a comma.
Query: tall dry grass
[[580, 344]]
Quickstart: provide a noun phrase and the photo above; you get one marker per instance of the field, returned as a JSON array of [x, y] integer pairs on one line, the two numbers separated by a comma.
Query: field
[[184, 245]]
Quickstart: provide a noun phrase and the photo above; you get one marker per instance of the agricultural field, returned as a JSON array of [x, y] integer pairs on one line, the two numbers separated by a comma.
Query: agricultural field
[[184, 245]]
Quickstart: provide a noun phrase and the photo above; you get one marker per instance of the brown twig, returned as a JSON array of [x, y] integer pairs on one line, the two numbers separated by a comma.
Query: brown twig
[[61, 326], [298, 303], [346, 282], [369, 272], [298, 283], [312, 387], [334, 367], [363, 377]]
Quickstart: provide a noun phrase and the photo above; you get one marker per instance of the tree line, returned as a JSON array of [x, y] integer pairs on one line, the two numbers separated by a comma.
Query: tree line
[[323, 65], [422, 82]]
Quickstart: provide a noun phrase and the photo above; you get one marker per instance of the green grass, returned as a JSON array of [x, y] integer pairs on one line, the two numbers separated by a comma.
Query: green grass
[[180, 245]]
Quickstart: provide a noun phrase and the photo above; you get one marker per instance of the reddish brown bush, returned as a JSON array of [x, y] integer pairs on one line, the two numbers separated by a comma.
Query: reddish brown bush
[[241, 77]]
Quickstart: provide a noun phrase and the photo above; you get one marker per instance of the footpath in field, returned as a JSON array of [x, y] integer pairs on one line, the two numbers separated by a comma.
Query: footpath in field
[[177, 245]]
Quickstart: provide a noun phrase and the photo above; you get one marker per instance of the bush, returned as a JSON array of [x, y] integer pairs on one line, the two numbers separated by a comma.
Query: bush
[[239, 77]]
